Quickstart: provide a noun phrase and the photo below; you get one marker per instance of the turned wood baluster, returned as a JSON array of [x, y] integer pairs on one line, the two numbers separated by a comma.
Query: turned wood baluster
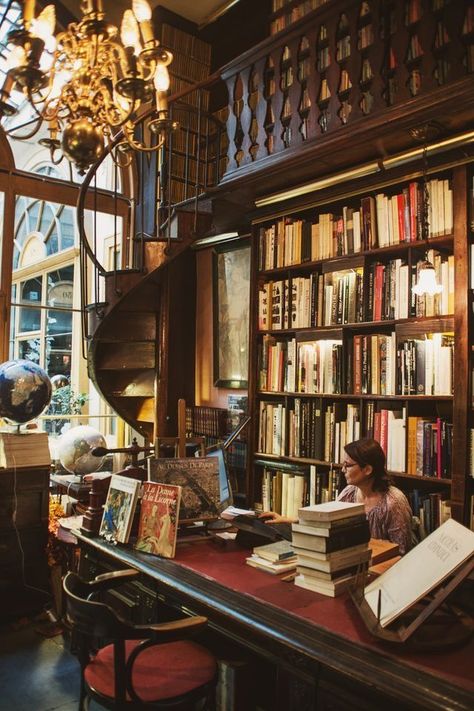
[[245, 117], [277, 101], [231, 125], [354, 67], [400, 42], [377, 53], [294, 93], [453, 17], [261, 110], [312, 84], [425, 29], [333, 76]]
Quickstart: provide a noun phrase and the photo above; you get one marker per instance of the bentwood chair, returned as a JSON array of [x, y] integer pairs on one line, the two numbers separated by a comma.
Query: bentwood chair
[[152, 666]]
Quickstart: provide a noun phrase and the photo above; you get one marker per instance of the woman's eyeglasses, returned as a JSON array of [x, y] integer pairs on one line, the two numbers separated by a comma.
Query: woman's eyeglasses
[[348, 465]]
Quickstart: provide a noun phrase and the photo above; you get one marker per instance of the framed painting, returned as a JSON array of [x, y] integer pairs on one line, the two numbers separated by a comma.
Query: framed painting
[[231, 297]]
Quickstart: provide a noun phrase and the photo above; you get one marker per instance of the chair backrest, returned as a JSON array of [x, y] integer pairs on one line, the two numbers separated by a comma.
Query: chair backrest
[[89, 616]]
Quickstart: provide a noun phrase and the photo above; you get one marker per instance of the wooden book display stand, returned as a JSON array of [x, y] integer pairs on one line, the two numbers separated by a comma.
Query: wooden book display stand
[[430, 623]]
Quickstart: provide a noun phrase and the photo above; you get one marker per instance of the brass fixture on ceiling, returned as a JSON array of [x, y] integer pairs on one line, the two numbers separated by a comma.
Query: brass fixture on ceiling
[[89, 81]]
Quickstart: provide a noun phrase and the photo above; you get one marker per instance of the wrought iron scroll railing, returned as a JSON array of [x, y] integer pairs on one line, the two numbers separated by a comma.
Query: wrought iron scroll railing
[[346, 61], [146, 192]]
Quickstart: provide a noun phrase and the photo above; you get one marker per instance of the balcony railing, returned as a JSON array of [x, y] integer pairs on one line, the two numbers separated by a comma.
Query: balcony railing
[[344, 62]]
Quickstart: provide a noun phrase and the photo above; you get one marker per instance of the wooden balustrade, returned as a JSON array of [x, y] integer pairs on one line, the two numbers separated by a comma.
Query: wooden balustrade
[[345, 62]]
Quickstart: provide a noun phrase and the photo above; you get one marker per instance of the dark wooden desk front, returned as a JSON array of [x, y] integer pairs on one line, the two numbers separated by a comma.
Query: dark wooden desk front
[[318, 641]]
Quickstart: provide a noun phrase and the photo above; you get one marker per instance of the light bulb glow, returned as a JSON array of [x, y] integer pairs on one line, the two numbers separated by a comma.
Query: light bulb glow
[[427, 283], [59, 82], [162, 78], [129, 30], [43, 26], [16, 58], [141, 10]]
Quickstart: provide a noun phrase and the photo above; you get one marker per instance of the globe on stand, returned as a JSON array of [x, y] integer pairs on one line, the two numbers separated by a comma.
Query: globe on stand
[[74, 450], [59, 381], [25, 391]]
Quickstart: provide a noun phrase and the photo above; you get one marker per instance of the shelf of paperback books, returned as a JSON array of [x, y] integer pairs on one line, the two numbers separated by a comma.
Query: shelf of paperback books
[[346, 349]]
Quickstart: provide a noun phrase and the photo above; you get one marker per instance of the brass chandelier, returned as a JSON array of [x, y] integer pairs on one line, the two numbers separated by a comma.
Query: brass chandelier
[[90, 81]]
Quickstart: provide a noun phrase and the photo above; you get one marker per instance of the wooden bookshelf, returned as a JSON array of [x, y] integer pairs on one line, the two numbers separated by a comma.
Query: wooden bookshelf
[[417, 400]]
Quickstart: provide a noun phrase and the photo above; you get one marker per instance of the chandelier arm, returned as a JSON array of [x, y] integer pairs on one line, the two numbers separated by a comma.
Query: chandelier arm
[[10, 132], [139, 146], [116, 152]]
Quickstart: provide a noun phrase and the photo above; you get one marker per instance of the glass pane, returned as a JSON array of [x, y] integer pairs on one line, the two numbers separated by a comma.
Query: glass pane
[[30, 291], [58, 342], [67, 230], [30, 320], [52, 245], [59, 323], [30, 349], [46, 219], [60, 287], [33, 212]]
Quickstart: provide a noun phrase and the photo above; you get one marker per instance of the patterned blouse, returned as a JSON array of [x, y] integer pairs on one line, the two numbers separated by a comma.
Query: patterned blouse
[[389, 519]]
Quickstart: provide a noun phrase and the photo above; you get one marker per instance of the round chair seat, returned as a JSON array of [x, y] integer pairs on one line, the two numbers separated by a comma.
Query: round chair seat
[[161, 672]]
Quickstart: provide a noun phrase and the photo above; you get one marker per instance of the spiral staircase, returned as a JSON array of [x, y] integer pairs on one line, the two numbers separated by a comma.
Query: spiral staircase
[[139, 334]]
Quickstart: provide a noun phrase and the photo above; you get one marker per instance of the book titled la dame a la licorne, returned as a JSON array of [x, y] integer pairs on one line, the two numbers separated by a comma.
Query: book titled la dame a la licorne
[[158, 523]]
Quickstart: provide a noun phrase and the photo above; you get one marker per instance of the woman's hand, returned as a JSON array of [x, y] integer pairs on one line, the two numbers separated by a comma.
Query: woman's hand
[[272, 517]]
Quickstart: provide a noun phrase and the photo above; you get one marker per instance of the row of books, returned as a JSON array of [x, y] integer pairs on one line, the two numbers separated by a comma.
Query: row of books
[[376, 365], [295, 13], [419, 446], [430, 445], [288, 366], [425, 365], [207, 421], [379, 221], [430, 509], [337, 297]]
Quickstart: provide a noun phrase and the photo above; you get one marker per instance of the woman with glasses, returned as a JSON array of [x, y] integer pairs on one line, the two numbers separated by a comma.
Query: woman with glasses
[[387, 508]]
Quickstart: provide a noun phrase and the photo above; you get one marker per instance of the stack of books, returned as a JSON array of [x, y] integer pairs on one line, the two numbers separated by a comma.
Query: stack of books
[[277, 558], [331, 544]]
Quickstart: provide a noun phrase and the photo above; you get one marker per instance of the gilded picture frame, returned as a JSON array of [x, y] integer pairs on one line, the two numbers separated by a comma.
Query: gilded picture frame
[[231, 308]]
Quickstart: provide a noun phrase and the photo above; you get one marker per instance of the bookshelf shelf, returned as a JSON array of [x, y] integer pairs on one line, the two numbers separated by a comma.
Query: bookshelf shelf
[[316, 324]]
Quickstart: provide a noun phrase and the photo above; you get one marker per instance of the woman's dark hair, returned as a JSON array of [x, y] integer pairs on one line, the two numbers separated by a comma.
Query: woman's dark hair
[[369, 451]]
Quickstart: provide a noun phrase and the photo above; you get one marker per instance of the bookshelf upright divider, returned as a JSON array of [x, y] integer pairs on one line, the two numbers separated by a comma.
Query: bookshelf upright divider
[[342, 348]]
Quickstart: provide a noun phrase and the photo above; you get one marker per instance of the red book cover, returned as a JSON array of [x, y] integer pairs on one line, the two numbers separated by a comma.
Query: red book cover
[[159, 519], [439, 466], [413, 193], [401, 216], [377, 418]]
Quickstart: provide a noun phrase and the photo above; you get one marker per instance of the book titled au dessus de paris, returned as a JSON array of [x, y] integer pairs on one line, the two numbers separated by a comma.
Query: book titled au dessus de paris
[[421, 570]]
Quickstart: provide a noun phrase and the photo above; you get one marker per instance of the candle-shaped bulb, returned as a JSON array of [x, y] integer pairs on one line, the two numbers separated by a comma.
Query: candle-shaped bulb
[[129, 30], [43, 26], [162, 78], [141, 10], [16, 58]]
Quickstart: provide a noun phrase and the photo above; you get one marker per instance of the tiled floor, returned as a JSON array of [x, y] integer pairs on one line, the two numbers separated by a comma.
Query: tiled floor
[[37, 673]]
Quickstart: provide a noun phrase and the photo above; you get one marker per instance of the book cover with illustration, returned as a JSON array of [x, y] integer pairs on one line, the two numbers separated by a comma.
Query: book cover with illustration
[[199, 480], [158, 523], [119, 508]]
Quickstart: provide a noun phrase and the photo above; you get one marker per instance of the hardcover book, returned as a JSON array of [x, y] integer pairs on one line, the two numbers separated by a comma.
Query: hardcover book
[[199, 480], [158, 524], [119, 508], [337, 541], [330, 511], [277, 551]]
